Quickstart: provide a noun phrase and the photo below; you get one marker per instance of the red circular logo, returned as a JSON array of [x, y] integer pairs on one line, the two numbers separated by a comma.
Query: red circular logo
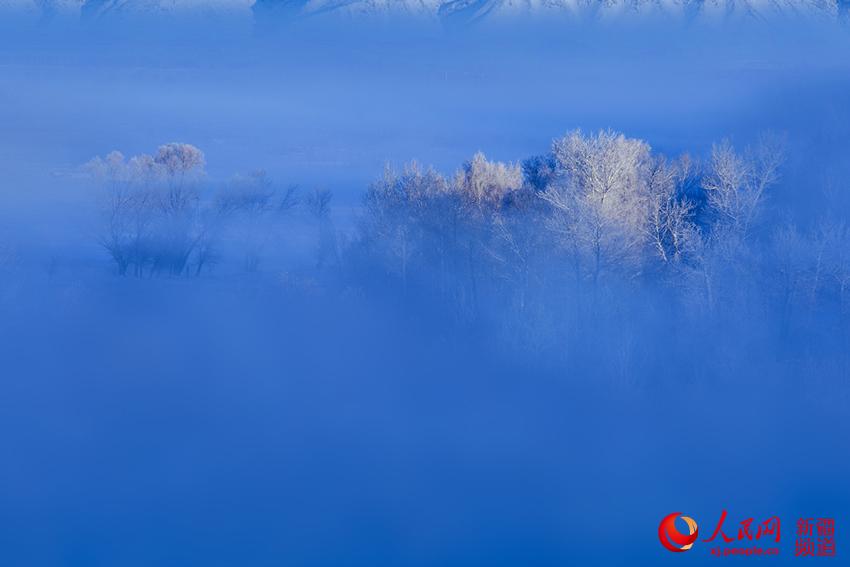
[[672, 538]]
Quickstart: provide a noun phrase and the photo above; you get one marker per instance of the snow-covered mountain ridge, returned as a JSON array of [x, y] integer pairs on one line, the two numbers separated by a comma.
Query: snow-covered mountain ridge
[[438, 10]]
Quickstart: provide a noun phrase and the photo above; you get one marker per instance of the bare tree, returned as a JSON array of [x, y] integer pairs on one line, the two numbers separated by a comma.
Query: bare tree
[[154, 219], [599, 199], [670, 226], [318, 204], [737, 183], [398, 209]]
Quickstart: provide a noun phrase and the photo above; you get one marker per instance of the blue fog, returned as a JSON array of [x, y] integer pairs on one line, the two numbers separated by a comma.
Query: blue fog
[[328, 378]]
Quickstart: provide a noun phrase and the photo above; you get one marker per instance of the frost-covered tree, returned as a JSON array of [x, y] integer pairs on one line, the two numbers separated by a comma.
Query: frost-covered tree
[[398, 208], [485, 183], [155, 222], [599, 200], [737, 183], [672, 233], [736, 187], [182, 165]]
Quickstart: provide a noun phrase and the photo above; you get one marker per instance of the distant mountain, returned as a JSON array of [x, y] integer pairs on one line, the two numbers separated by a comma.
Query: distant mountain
[[47, 9], [41, 8], [310, 8], [475, 10], [447, 11], [466, 11], [99, 8]]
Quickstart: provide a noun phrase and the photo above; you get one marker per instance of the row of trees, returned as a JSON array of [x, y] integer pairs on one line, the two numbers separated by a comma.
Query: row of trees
[[585, 236], [604, 204], [152, 208], [550, 246], [162, 218], [597, 209]]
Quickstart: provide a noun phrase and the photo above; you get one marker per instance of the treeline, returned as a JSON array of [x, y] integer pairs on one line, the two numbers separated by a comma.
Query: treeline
[[161, 218], [604, 249], [601, 232]]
